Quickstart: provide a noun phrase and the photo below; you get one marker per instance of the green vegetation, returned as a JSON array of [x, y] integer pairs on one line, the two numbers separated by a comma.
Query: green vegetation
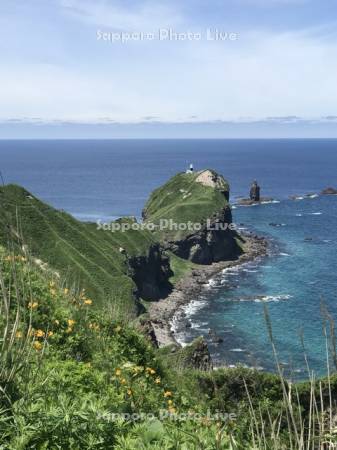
[[180, 267], [76, 374], [73, 378], [183, 199], [86, 256], [98, 259]]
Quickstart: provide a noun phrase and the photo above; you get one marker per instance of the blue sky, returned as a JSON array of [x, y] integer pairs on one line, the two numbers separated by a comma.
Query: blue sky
[[276, 76]]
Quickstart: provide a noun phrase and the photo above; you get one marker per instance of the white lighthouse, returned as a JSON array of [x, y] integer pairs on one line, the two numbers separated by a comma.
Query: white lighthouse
[[190, 169]]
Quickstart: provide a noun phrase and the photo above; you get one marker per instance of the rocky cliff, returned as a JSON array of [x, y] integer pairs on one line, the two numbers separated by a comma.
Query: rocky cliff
[[151, 273], [193, 217]]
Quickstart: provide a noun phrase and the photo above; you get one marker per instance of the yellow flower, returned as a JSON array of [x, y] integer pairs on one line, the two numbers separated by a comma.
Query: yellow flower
[[157, 380], [69, 330], [118, 329], [39, 333], [137, 370], [57, 322], [53, 291], [18, 334], [52, 284], [170, 402], [118, 372], [71, 322], [172, 410], [37, 345], [150, 371], [123, 381], [167, 394], [33, 305], [50, 333], [66, 291], [88, 302], [129, 391]]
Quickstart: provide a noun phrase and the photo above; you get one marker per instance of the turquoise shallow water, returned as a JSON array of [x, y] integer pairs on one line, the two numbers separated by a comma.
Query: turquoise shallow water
[[106, 179], [299, 273]]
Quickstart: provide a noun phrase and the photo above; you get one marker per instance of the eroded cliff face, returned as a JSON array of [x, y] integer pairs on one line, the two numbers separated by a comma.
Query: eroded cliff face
[[201, 198], [215, 242], [151, 273]]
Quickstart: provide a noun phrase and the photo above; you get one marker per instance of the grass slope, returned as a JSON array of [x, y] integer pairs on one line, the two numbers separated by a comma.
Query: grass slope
[[67, 370], [183, 199], [87, 257]]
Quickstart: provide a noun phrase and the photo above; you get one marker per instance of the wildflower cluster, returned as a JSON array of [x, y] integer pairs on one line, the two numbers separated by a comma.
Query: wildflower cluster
[[80, 300], [15, 258], [137, 381]]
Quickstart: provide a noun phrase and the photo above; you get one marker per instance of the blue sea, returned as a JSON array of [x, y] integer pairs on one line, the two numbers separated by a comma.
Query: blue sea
[[107, 179]]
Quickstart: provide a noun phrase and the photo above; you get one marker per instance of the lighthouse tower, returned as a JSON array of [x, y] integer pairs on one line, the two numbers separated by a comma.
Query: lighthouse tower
[[190, 169]]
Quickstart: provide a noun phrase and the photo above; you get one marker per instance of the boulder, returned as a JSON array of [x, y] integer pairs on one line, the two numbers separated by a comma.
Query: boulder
[[329, 191]]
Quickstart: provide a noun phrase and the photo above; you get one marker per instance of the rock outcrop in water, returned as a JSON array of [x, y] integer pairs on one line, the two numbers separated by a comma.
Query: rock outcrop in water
[[329, 191], [254, 196], [254, 193]]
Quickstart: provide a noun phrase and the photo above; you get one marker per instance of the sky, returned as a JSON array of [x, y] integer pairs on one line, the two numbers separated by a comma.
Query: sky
[[177, 68]]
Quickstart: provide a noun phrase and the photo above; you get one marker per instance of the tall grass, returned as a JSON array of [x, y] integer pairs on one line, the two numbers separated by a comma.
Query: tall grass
[[298, 426], [15, 346]]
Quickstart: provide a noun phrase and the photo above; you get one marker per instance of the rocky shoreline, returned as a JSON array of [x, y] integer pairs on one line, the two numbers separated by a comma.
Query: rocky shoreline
[[188, 288]]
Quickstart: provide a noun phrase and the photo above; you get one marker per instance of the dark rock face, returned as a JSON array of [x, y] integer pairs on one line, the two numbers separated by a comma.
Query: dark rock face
[[146, 328], [215, 242], [254, 194], [151, 273], [214, 337], [197, 356], [329, 191]]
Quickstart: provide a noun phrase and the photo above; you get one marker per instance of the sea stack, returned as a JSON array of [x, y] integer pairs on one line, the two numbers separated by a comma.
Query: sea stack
[[255, 192]]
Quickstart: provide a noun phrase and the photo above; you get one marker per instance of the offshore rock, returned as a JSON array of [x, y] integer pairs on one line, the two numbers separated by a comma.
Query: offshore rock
[[329, 191], [254, 193]]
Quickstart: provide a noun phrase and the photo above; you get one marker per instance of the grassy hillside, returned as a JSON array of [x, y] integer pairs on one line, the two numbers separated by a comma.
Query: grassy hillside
[[184, 199], [74, 378], [97, 259], [87, 257]]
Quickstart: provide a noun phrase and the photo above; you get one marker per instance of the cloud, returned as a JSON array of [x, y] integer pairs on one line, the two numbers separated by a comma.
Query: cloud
[[330, 118], [292, 120], [146, 16], [272, 3], [261, 75], [286, 119], [264, 74], [210, 129]]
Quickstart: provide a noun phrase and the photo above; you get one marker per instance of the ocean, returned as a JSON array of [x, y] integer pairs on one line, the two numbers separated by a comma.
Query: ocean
[[104, 180]]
